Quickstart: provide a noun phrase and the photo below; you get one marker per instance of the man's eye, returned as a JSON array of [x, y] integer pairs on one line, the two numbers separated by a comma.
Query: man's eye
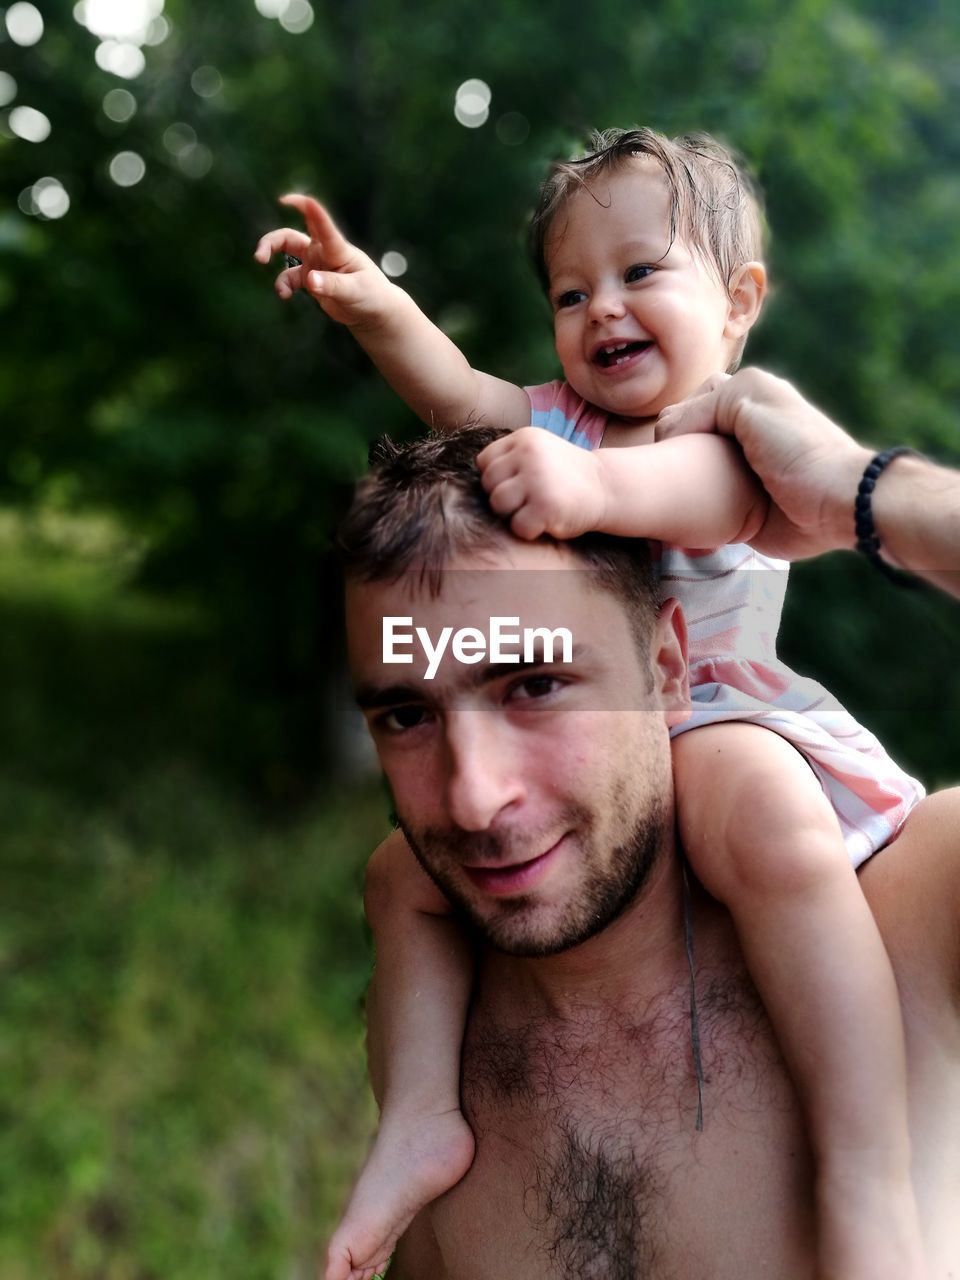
[[535, 688], [401, 719], [639, 271], [569, 299]]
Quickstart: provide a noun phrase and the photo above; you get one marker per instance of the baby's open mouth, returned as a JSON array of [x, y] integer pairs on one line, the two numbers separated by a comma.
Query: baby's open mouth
[[606, 357]]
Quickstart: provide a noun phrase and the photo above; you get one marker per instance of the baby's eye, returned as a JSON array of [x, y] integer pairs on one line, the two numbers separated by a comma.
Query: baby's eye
[[402, 719], [570, 298], [639, 271]]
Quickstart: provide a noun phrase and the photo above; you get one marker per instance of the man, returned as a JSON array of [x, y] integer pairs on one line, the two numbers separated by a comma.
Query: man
[[579, 1066]]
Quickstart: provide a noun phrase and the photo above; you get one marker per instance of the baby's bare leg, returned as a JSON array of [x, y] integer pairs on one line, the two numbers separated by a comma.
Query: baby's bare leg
[[423, 1145], [763, 839]]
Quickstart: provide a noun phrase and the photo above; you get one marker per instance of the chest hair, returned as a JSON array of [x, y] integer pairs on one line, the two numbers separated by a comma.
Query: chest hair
[[599, 1109]]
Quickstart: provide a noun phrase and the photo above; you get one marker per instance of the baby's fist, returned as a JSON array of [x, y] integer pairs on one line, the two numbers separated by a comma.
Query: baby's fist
[[543, 484]]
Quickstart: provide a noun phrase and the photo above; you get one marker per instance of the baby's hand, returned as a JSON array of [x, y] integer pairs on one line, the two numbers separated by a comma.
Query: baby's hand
[[348, 285], [544, 484]]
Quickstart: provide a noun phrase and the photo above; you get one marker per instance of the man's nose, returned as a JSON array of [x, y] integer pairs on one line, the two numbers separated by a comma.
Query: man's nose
[[606, 303], [483, 778]]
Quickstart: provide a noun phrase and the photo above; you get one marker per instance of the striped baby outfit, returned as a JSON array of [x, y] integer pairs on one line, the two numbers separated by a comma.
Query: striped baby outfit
[[732, 599]]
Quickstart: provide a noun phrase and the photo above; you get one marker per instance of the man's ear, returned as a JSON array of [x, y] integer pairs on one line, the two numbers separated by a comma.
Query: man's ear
[[748, 288], [669, 656]]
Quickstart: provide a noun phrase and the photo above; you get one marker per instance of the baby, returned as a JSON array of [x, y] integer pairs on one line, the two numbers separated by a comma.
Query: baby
[[650, 250]]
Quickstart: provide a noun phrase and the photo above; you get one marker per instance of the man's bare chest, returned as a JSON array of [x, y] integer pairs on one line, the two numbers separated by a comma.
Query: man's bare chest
[[589, 1162]]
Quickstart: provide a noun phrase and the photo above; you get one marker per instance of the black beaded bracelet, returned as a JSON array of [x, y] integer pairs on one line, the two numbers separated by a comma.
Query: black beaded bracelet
[[868, 541]]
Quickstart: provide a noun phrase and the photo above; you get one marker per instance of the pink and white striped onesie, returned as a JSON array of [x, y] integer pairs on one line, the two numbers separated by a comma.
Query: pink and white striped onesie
[[732, 599]]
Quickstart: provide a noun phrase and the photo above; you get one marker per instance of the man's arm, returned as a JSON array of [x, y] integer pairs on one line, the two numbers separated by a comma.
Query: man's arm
[[811, 468], [417, 359]]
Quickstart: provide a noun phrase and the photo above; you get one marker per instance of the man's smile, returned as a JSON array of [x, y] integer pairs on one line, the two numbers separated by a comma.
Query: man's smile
[[518, 877]]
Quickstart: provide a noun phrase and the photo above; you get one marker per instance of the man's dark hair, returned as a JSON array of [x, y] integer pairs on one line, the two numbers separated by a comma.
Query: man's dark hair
[[422, 504]]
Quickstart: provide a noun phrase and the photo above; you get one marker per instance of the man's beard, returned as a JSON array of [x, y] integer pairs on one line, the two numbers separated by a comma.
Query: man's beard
[[608, 886]]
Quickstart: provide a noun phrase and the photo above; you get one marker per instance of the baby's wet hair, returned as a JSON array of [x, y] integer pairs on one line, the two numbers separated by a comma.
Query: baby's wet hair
[[715, 206]]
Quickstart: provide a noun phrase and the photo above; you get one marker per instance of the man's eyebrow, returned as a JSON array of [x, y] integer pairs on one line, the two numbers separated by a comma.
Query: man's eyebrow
[[490, 671], [370, 696]]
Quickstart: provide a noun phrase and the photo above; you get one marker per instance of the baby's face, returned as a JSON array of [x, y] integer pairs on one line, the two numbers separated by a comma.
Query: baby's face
[[639, 322]]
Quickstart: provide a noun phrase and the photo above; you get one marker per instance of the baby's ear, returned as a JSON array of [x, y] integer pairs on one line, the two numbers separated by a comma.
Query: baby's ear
[[748, 288]]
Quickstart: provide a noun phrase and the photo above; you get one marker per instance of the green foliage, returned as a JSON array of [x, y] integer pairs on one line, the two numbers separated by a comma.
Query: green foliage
[[182, 1077]]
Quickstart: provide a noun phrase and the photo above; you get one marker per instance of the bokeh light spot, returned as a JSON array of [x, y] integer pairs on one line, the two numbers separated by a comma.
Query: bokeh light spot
[[25, 201], [471, 105], [471, 112], [8, 88], [296, 17], [157, 31], [393, 263], [206, 82], [196, 161], [127, 21], [179, 137], [127, 168], [271, 8], [24, 23], [50, 198], [120, 58], [119, 105], [475, 89], [29, 124]]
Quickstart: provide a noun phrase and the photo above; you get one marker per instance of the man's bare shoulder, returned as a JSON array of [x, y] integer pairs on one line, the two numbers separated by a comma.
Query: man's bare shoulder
[[913, 887]]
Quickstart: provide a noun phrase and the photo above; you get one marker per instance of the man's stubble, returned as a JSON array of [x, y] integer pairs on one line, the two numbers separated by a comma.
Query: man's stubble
[[606, 888]]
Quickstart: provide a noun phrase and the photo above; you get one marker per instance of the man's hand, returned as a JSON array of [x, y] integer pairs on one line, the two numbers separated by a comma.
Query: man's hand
[[543, 484], [808, 465], [348, 285]]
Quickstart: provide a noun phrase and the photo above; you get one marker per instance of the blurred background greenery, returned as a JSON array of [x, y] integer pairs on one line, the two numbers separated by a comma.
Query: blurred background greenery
[[185, 811]]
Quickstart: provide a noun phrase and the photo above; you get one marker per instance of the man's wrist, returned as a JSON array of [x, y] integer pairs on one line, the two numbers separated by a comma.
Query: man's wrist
[[837, 517], [904, 492]]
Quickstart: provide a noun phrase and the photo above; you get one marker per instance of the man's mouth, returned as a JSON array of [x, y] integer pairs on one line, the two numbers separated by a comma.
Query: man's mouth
[[616, 353], [518, 877]]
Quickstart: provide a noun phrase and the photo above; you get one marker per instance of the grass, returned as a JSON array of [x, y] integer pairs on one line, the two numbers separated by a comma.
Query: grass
[[182, 1085]]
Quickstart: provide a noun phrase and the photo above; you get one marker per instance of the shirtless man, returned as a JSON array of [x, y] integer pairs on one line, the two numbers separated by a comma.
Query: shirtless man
[[579, 1076]]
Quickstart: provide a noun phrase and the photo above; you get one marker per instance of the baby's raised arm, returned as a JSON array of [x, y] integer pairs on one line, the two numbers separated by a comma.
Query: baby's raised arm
[[417, 359]]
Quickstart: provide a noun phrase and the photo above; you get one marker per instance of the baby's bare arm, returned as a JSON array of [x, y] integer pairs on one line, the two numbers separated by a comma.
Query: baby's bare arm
[[693, 491], [418, 360]]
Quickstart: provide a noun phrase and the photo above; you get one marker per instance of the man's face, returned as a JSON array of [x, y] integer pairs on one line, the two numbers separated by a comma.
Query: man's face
[[537, 795]]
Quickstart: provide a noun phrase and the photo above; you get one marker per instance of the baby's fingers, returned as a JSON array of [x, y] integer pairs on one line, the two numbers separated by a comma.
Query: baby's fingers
[[495, 468], [508, 496], [337, 251], [288, 282], [528, 523], [283, 240]]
